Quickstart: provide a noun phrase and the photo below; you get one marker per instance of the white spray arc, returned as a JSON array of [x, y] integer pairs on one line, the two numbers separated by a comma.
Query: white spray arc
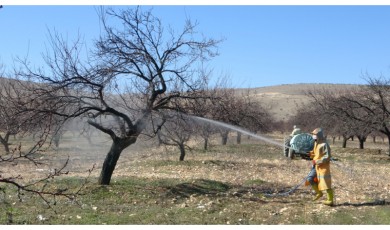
[[253, 135], [239, 130]]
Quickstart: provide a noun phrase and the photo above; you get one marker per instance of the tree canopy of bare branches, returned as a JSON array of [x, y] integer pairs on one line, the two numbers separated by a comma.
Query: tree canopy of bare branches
[[137, 67], [356, 112]]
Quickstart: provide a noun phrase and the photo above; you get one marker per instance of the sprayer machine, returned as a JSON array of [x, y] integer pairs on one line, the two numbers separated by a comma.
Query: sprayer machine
[[298, 145]]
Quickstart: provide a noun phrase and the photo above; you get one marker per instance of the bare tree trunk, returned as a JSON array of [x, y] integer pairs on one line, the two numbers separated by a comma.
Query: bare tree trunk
[[182, 152], [361, 142], [6, 147], [388, 138], [345, 142], [238, 138], [206, 143], [159, 139], [224, 137], [118, 145], [5, 143]]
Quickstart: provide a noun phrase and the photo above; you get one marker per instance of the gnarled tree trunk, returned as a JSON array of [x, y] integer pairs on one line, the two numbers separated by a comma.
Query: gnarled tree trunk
[[182, 152], [224, 136], [361, 142], [206, 143], [238, 138], [345, 142], [4, 141], [388, 138], [118, 145]]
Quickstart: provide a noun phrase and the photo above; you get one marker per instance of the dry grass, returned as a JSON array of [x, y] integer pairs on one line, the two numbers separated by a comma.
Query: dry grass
[[224, 185]]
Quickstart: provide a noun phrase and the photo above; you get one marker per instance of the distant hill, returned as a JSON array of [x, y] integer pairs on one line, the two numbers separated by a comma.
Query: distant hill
[[282, 101], [285, 100]]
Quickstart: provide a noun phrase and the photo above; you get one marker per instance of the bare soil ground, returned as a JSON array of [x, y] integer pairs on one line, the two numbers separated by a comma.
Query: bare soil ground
[[254, 178]]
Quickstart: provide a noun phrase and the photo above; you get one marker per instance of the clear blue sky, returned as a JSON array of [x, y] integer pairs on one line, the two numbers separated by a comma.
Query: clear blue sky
[[265, 45]]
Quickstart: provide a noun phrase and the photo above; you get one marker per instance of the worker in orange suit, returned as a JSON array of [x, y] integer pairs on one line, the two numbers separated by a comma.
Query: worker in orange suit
[[321, 155]]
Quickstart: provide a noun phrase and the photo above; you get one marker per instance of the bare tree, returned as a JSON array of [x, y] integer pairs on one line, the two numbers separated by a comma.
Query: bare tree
[[14, 119], [203, 106], [319, 113], [344, 113], [135, 70], [250, 114], [28, 154], [17, 117], [177, 131], [8, 124], [240, 109], [373, 101], [222, 109]]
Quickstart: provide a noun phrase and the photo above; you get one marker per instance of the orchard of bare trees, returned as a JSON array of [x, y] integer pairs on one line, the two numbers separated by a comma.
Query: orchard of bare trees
[[354, 113], [140, 79], [144, 80]]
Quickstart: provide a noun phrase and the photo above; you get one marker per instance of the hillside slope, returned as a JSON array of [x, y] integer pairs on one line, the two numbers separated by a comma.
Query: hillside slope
[[282, 101]]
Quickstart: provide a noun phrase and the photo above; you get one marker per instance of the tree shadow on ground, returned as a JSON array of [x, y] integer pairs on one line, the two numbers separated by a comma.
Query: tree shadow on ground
[[198, 187], [277, 193], [213, 188], [371, 203]]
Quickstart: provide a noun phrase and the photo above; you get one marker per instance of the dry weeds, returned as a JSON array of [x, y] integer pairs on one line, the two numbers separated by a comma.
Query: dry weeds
[[252, 169]]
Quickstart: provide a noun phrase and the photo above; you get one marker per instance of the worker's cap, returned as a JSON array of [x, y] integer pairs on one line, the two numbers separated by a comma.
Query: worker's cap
[[317, 131], [296, 131]]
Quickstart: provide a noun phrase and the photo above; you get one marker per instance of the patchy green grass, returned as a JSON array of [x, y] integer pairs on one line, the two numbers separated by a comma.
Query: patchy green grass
[[167, 201], [128, 201], [225, 185]]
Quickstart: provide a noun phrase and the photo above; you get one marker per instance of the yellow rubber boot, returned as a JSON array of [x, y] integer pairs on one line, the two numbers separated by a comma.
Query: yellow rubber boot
[[318, 192], [330, 195]]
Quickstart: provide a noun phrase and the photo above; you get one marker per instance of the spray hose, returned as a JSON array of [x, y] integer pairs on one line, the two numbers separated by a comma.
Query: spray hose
[[293, 189], [289, 191]]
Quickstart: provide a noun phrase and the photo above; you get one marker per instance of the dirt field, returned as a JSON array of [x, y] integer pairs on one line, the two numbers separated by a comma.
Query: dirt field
[[233, 184]]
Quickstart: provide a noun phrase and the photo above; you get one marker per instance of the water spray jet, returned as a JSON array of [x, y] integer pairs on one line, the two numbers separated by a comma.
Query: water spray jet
[[222, 124], [297, 144], [294, 145]]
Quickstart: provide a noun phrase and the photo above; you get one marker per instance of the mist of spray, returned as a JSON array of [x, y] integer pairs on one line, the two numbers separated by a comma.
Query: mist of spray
[[258, 137], [239, 130]]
